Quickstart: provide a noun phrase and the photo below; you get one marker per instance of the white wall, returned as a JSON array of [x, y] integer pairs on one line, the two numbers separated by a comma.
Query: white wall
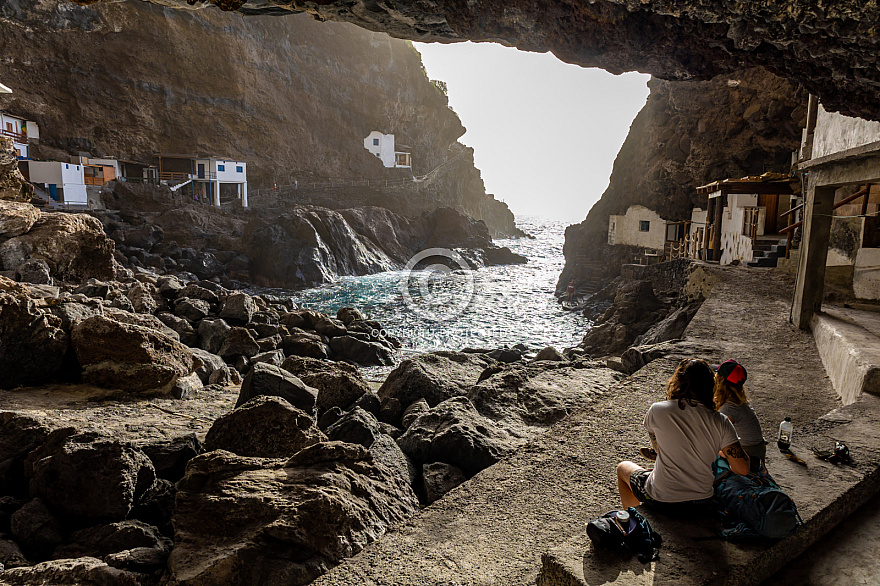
[[625, 229], [229, 173], [110, 163], [835, 133], [866, 274], [384, 150], [734, 244], [76, 193]]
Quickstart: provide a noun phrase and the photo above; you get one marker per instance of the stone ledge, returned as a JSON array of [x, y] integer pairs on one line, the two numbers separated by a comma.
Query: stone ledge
[[849, 352], [826, 494]]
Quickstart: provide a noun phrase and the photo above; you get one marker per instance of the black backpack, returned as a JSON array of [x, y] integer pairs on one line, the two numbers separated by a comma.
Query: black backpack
[[637, 536]]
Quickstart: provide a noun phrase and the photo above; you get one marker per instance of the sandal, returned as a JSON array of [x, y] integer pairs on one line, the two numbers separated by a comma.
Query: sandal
[[648, 454]]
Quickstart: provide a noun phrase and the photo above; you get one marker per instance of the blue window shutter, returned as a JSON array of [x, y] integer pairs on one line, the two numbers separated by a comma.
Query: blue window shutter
[[375, 142], [221, 167], [239, 169]]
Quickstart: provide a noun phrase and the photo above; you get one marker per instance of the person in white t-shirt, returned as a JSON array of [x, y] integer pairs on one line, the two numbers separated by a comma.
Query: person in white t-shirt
[[687, 435]]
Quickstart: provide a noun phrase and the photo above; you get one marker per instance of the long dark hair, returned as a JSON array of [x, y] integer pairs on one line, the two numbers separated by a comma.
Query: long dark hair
[[692, 382]]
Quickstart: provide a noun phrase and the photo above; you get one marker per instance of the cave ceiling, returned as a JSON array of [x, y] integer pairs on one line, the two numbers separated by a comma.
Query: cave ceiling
[[830, 47]]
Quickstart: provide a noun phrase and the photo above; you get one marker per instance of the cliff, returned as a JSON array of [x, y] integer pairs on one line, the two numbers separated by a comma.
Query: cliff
[[690, 133], [292, 97]]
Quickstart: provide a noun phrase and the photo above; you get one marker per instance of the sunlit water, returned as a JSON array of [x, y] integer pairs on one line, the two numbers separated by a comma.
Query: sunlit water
[[450, 310]]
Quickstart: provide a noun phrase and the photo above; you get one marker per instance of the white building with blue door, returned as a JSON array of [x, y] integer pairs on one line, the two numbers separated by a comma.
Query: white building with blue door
[[63, 182], [210, 174], [382, 146]]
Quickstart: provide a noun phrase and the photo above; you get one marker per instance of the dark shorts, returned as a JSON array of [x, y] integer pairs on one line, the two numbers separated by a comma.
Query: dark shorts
[[637, 482]]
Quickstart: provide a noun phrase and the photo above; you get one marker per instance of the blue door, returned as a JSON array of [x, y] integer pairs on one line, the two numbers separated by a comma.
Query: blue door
[[53, 191], [201, 170]]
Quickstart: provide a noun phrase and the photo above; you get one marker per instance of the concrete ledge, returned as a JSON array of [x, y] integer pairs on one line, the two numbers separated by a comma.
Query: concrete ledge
[[826, 494], [849, 352]]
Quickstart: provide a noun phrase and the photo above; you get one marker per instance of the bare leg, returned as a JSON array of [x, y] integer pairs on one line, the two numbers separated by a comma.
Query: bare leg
[[624, 471]]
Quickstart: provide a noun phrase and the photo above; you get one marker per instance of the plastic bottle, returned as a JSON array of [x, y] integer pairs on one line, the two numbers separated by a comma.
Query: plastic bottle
[[783, 440]]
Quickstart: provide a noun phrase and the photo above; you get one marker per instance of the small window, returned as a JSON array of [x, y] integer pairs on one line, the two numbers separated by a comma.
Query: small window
[[66, 166], [644, 225], [375, 142], [221, 167], [239, 169]]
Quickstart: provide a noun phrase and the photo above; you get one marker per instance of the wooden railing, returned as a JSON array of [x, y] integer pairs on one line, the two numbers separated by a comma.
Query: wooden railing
[[94, 181], [14, 135]]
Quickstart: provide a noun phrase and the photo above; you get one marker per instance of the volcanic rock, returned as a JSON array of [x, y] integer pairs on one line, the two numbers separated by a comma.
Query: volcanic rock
[[455, 433], [129, 357], [349, 314], [102, 540], [212, 333], [440, 478], [239, 342], [36, 528], [264, 427], [435, 377], [169, 457], [19, 435], [84, 571], [306, 345], [550, 353], [238, 519], [141, 299], [34, 270], [360, 427], [11, 556], [330, 327], [192, 309], [265, 379], [338, 384], [88, 477], [13, 186], [32, 343], [238, 309], [210, 364]]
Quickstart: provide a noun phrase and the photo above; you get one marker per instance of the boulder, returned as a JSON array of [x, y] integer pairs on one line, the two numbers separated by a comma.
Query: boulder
[[329, 417], [338, 384], [11, 556], [264, 427], [87, 477], [129, 357], [186, 334], [439, 478], [19, 435], [671, 327], [72, 572], [32, 344], [36, 528], [16, 218], [185, 386], [212, 332], [435, 377], [265, 379], [198, 291], [348, 315], [327, 326], [73, 245], [304, 345], [550, 353], [455, 433], [149, 560], [169, 286], [145, 236], [140, 319], [238, 519], [210, 364], [35, 271], [71, 313], [413, 412], [360, 427], [239, 342], [169, 457], [156, 506], [239, 309], [192, 309], [505, 355], [94, 288], [273, 357], [269, 343], [102, 540], [635, 309], [141, 299], [360, 352]]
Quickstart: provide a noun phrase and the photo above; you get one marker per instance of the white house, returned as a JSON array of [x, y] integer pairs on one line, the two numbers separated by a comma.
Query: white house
[[20, 130], [64, 182], [382, 146], [212, 173], [638, 227]]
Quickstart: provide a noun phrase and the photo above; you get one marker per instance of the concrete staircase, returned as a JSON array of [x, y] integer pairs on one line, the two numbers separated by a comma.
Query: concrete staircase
[[766, 252]]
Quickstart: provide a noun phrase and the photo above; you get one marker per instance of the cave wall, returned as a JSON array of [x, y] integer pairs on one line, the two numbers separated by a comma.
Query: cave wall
[[690, 133], [291, 96]]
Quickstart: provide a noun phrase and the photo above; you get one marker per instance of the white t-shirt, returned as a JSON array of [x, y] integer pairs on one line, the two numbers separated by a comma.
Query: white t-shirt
[[688, 441]]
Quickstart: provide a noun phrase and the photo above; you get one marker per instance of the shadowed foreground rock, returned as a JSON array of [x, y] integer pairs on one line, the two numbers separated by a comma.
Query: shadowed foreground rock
[[274, 522]]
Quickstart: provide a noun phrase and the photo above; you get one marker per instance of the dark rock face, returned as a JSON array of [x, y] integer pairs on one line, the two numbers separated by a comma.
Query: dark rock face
[[361, 427], [72, 572], [32, 344], [169, 458], [102, 540], [265, 379], [440, 478], [88, 478], [338, 384], [455, 433], [129, 357], [281, 522], [435, 377], [264, 427], [19, 434], [238, 309], [13, 185], [36, 528], [360, 352]]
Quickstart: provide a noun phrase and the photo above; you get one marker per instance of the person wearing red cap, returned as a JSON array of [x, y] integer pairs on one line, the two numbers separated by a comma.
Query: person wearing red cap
[[731, 400]]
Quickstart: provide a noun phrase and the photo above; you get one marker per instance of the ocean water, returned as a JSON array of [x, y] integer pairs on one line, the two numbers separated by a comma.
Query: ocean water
[[442, 308]]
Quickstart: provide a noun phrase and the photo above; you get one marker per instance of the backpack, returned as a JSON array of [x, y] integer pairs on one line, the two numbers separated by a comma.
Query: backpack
[[753, 506], [636, 537]]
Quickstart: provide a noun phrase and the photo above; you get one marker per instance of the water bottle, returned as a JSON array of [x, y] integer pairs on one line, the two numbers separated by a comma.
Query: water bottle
[[783, 440]]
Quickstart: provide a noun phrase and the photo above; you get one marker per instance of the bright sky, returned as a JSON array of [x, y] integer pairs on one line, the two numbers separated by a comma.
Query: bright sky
[[545, 133]]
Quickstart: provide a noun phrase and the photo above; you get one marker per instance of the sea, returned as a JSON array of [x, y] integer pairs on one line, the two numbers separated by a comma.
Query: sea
[[447, 306]]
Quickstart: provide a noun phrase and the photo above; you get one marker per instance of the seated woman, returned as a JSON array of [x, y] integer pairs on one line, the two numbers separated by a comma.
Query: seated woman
[[687, 434], [732, 400]]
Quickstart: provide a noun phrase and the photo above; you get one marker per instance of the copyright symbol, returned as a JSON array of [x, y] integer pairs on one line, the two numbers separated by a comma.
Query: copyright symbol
[[441, 290]]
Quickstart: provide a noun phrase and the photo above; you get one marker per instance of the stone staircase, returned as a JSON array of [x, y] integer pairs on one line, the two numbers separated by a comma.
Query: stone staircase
[[766, 252]]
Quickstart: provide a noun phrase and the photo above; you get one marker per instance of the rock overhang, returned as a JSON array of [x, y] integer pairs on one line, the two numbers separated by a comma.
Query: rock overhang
[[829, 48]]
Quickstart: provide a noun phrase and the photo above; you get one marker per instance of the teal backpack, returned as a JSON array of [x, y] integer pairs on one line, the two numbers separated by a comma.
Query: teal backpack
[[753, 506]]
